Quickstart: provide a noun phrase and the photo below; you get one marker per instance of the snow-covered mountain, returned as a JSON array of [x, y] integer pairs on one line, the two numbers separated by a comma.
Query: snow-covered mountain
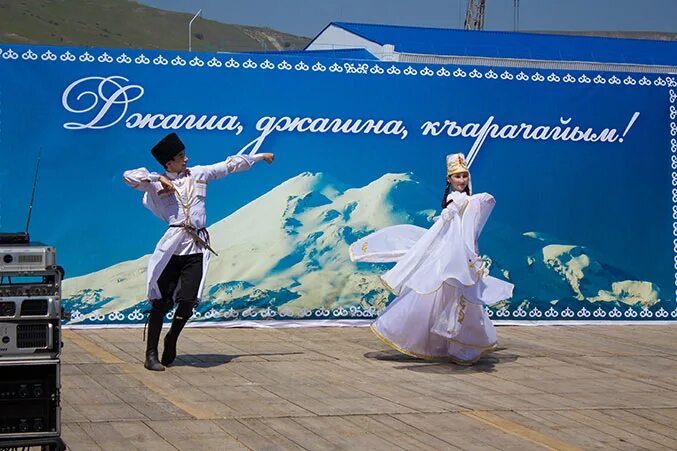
[[285, 254], [288, 247], [543, 270]]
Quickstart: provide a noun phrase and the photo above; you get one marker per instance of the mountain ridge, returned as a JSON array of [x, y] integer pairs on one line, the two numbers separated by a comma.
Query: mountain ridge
[[128, 24]]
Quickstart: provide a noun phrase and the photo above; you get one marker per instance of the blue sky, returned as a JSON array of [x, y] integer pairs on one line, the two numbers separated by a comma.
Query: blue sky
[[308, 17]]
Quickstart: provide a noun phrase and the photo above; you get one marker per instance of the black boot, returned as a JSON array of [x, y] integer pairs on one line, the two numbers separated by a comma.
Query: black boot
[[152, 363], [169, 352], [154, 328]]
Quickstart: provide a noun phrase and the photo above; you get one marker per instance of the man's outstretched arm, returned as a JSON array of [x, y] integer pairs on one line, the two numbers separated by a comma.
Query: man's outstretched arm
[[232, 164]]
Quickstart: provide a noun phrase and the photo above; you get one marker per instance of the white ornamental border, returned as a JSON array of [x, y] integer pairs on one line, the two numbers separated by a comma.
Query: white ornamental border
[[536, 314], [375, 68], [354, 312], [672, 96], [250, 313]]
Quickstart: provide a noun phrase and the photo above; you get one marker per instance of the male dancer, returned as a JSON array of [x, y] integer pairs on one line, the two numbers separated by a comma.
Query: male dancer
[[177, 269]]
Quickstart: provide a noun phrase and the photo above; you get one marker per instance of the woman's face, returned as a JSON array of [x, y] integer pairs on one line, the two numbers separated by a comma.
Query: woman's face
[[459, 182]]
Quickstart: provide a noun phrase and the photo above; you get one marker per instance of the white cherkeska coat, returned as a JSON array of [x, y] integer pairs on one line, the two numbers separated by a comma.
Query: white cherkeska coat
[[185, 206]]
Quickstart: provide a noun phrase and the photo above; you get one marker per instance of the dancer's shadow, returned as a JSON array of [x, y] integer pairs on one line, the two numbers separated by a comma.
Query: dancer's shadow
[[484, 365], [212, 360]]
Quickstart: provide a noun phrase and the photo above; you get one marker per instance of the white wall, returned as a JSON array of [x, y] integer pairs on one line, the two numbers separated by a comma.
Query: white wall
[[336, 38]]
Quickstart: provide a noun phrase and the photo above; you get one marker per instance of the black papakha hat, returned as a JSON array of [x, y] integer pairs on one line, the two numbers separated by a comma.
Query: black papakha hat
[[167, 148]]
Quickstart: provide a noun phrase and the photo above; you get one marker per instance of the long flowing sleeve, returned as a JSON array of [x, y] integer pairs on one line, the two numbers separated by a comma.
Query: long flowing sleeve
[[476, 215], [447, 254], [439, 256], [488, 289], [386, 245]]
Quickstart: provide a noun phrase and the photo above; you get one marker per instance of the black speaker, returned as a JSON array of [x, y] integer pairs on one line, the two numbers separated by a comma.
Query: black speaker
[[37, 444], [30, 345], [29, 399], [14, 238]]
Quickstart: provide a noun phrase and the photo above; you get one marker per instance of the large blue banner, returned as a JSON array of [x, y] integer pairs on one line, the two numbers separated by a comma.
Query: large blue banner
[[582, 164]]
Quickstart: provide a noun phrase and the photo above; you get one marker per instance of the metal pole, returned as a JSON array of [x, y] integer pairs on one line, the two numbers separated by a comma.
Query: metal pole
[[35, 182], [190, 34]]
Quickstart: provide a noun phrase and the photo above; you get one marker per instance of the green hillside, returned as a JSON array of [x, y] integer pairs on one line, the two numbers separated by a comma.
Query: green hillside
[[123, 23]]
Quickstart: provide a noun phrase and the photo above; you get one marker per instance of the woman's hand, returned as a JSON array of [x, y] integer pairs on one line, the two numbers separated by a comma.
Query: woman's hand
[[459, 199]]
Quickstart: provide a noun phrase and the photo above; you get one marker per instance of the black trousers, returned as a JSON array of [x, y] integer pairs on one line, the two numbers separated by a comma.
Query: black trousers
[[180, 282]]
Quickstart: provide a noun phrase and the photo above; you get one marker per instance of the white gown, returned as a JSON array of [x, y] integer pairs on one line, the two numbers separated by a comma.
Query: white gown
[[440, 281]]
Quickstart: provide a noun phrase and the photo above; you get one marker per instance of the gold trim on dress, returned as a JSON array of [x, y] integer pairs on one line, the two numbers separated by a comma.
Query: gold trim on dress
[[483, 269], [451, 358], [350, 252], [444, 282], [388, 287]]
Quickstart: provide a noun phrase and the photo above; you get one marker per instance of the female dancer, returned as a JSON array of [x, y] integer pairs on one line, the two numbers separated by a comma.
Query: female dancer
[[441, 282]]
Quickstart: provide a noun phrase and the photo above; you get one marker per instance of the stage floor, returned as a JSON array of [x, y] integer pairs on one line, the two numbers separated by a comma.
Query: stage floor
[[606, 387]]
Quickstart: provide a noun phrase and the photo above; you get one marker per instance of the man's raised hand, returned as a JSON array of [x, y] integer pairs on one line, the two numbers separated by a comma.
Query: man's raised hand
[[268, 157], [167, 186]]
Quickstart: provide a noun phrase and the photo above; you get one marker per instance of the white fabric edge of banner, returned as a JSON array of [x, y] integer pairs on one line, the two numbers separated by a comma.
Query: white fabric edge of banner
[[252, 324], [290, 324], [585, 323]]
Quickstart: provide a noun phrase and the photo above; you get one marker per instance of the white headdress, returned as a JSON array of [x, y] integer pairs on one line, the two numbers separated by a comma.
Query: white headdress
[[456, 164]]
